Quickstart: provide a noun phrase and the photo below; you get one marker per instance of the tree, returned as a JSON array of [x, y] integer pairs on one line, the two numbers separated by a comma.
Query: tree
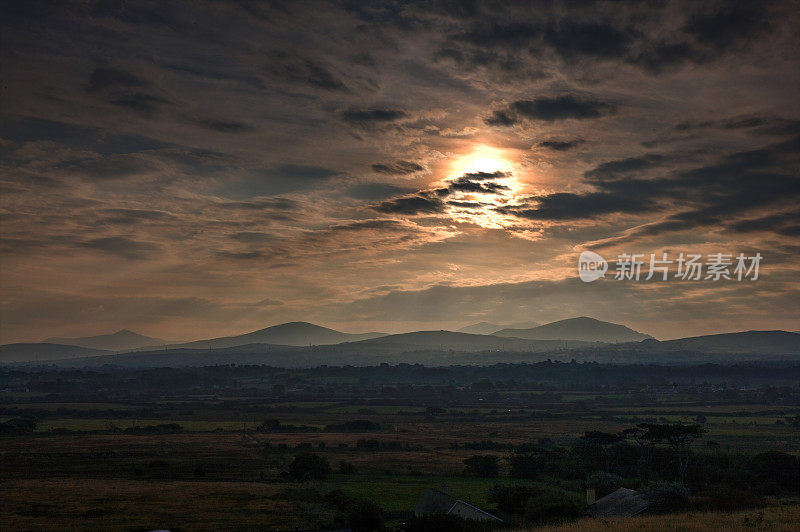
[[482, 465], [308, 466], [679, 437], [603, 441], [603, 483]]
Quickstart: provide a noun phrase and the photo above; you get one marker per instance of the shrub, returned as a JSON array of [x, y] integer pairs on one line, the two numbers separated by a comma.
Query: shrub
[[666, 497], [441, 522], [482, 465], [603, 483], [308, 466], [346, 468], [525, 465]]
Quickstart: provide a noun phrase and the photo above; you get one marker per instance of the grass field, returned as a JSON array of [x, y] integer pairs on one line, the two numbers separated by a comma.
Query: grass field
[[773, 519]]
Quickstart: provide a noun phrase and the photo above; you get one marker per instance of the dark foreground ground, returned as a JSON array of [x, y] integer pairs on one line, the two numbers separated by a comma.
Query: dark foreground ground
[[217, 448]]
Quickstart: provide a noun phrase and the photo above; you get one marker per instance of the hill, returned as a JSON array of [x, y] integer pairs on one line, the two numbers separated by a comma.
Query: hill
[[483, 327], [298, 333], [119, 341], [486, 327], [40, 352], [756, 342], [582, 329]]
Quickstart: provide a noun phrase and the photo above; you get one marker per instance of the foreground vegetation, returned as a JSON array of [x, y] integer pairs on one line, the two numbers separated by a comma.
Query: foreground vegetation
[[258, 448], [773, 519]]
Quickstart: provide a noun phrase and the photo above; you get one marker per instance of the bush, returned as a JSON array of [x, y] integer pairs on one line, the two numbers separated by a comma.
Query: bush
[[442, 523], [603, 483], [365, 516], [525, 465], [18, 425], [777, 467], [549, 506], [308, 466], [666, 497], [482, 465], [346, 468], [358, 425]]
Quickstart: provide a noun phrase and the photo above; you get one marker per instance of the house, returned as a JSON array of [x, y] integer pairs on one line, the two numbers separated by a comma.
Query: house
[[441, 502], [621, 503]]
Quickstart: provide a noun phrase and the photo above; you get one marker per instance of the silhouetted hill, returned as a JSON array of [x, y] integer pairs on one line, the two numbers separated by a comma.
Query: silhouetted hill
[[453, 341], [298, 333], [483, 327], [583, 329], [123, 340], [766, 342], [486, 327], [38, 352]]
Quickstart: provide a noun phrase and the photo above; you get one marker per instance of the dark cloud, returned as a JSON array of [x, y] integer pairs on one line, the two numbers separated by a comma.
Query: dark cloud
[[782, 223], [252, 237], [623, 167], [140, 102], [304, 71], [411, 205], [500, 118], [561, 145], [376, 191], [279, 180], [568, 206], [391, 225], [226, 126], [467, 184], [365, 117], [728, 24], [551, 109], [111, 167], [398, 168], [123, 247], [103, 78]]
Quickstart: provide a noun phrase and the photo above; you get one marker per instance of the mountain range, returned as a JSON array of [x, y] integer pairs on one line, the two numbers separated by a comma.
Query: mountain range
[[119, 341], [301, 343], [583, 329], [486, 327]]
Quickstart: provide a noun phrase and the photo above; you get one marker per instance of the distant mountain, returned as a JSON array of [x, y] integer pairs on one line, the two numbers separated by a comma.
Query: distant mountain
[[755, 342], [297, 333], [40, 352], [452, 341], [486, 327], [582, 329], [483, 327], [123, 340]]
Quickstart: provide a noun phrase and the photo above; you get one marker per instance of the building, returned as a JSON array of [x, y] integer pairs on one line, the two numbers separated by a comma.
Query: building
[[441, 502], [621, 503]]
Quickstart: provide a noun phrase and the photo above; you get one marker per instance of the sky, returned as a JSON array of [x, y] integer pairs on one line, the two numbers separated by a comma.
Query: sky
[[197, 169]]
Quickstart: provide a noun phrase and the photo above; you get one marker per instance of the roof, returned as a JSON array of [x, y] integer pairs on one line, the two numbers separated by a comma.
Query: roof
[[434, 502], [621, 503], [483, 513]]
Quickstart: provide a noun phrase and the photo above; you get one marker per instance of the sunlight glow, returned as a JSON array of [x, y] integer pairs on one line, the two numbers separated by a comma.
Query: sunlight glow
[[482, 159]]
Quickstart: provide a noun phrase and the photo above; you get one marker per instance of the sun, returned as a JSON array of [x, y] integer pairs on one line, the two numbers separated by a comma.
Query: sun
[[482, 159]]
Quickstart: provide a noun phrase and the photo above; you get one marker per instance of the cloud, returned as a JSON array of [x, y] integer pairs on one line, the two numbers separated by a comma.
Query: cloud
[[411, 205], [122, 246], [103, 78], [140, 102], [398, 168], [569, 206], [226, 126], [552, 109], [560, 145], [365, 117], [620, 168]]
